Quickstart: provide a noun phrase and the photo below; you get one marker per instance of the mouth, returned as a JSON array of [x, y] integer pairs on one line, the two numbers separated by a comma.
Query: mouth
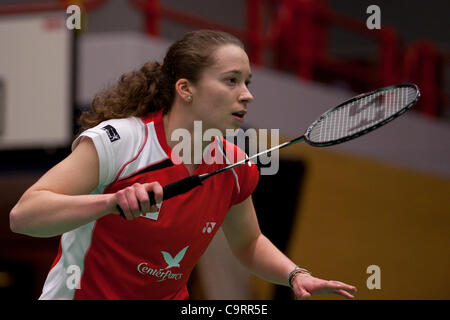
[[239, 115]]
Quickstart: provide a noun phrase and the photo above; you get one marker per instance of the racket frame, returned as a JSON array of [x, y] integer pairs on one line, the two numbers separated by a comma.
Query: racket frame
[[369, 129]]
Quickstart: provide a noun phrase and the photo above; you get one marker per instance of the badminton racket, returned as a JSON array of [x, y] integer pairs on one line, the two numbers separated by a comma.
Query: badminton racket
[[349, 120]]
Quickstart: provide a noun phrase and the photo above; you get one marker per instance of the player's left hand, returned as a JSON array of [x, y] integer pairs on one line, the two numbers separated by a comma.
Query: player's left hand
[[304, 285]]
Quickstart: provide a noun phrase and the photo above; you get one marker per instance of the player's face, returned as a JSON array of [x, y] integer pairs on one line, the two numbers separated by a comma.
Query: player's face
[[221, 94]]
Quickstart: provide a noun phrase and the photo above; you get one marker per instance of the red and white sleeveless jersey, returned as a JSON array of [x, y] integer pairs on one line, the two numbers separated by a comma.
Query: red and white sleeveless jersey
[[152, 256]]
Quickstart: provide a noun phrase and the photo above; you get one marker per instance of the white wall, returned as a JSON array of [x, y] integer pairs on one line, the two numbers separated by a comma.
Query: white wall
[[35, 67]]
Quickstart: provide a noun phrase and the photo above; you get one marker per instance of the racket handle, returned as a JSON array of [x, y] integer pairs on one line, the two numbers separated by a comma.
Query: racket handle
[[173, 189], [178, 187]]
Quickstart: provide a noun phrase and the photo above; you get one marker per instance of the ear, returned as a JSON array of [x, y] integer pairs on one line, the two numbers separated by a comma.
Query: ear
[[184, 89]]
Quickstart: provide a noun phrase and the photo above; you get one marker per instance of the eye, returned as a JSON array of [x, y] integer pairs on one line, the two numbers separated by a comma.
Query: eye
[[232, 80], [247, 83]]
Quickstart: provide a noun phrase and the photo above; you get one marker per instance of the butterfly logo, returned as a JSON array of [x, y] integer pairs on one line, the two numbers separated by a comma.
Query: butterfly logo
[[174, 261]]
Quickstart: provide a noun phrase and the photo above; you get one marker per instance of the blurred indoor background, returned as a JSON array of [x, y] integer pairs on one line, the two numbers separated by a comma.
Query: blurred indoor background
[[382, 199]]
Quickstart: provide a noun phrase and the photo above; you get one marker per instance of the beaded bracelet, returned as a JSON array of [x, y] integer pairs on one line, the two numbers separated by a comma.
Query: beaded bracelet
[[295, 272]]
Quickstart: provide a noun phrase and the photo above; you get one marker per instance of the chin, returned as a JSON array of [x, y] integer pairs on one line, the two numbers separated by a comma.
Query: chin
[[231, 131]]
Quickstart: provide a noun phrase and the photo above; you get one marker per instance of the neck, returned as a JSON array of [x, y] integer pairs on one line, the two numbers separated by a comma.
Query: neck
[[174, 120]]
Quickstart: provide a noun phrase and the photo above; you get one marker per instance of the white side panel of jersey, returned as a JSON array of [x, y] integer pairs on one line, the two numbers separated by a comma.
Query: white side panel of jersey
[[74, 246]]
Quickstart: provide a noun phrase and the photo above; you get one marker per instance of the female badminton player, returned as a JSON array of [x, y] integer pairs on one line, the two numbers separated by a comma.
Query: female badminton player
[[124, 152]]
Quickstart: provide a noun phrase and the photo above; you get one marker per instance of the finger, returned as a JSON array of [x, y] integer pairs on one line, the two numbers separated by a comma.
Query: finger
[[142, 198], [157, 190], [344, 293], [341, 285], [154, 208], [122, 201], [133, 203], [121, 213], [303, 294]]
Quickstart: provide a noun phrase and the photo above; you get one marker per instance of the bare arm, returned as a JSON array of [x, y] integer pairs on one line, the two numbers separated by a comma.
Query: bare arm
[[60, 201], [262, 258], [252, 248]]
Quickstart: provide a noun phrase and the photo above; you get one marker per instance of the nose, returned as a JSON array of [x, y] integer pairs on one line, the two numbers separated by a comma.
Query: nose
[[245, 96]]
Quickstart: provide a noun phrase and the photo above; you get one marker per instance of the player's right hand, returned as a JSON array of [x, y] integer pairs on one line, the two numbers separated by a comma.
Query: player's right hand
[[134, 200]]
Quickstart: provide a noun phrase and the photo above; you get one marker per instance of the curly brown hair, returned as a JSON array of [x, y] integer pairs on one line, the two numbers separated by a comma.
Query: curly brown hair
[[152, 87]]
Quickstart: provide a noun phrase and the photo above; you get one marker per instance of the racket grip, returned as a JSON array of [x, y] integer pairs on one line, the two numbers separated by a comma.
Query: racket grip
[[181, 186], [173, 189]]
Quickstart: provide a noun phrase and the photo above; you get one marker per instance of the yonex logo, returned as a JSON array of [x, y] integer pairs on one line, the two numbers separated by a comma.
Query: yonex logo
[[208, 228]]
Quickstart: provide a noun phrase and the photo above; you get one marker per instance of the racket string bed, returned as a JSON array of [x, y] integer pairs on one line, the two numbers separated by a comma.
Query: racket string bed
[[361, 113]]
